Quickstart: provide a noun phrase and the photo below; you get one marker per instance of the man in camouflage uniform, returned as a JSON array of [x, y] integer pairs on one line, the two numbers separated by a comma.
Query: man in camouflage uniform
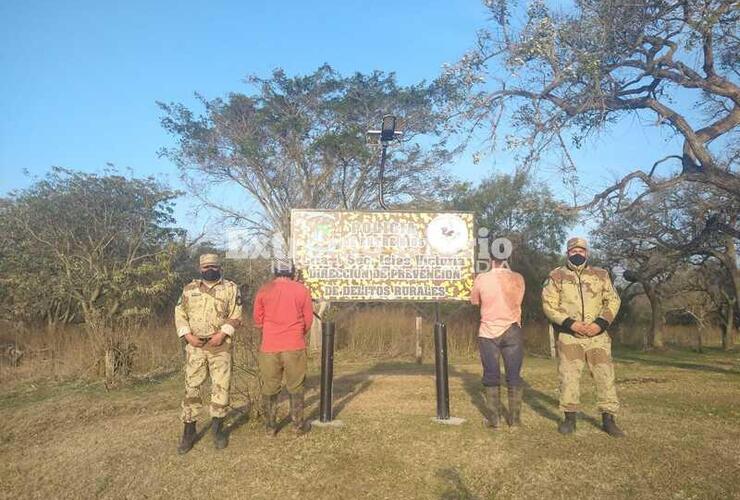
[[206, 316], [581, 303]]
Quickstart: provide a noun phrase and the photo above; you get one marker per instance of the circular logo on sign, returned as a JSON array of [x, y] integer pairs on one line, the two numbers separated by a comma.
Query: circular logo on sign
[[447, 234]]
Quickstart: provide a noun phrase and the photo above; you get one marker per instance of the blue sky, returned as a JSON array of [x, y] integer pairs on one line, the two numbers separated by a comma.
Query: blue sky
[[81, 78]]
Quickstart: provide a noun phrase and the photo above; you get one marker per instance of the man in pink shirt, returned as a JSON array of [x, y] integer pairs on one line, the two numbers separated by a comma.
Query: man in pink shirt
[[500, 292], [284, 312]]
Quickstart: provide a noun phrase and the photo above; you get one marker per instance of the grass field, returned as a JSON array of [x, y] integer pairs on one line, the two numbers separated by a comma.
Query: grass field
[[681, 412]]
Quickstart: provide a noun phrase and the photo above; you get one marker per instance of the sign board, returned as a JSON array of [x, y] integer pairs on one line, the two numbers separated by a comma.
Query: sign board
[[384, 256]]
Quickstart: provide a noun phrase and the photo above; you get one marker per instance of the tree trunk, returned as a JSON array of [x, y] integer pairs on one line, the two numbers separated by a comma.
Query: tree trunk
[[654, 337], [419, 353], [728, 332], [699, 342], [314, 340], [110, 366], [728, 335]]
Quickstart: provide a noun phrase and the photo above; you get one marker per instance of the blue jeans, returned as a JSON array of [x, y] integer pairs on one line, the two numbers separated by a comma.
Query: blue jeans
[[509, 346]]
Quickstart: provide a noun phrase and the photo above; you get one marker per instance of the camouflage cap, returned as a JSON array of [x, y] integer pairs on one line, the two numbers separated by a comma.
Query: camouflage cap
[[577, 242], [210, 259]]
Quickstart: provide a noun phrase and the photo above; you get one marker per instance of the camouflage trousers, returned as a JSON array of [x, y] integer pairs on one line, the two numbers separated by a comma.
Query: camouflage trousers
[[596, 352], [201, 362]]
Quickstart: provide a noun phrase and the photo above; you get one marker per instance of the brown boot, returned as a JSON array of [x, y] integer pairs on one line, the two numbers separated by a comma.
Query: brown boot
[[493, 405], [515, 406], [188, 438], [296, 413], [269, 413]]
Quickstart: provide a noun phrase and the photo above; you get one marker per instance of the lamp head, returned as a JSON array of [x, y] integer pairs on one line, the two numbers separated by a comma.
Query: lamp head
[[388, 130]]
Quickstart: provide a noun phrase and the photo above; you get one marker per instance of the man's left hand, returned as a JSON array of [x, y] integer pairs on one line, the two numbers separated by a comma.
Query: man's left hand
[[592, 329], [217, 339]]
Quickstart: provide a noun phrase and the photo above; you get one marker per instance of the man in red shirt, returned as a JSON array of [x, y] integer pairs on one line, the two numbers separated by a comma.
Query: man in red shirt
[[284, 312]]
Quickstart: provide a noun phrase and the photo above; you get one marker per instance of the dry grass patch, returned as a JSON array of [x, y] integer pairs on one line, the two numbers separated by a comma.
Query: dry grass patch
[[680, 412]]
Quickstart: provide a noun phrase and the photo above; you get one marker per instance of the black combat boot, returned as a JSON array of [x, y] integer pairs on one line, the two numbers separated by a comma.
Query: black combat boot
[[269, 413], [568, 426], [610, 426], [220, 438], [515, 406], [493, 405], [296, 414], [188, 438]]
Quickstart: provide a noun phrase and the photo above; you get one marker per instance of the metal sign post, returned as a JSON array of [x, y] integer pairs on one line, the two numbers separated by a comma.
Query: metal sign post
[[327, 370], [440, 371], [441, 374]]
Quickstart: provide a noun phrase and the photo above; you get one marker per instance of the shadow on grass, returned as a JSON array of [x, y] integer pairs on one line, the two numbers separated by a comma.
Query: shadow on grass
[[234, 419], [201, 433], [548, 407], [345, 389], [237, 417], [155, 377], [668, 359], [473, 387], [348, 387], [454, 486], [541, 403]]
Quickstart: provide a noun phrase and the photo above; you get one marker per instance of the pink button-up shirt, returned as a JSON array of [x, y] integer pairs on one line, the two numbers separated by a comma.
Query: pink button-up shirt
[[499, 292]]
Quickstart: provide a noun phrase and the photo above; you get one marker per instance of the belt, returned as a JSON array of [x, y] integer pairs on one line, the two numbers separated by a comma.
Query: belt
[[560, 329]]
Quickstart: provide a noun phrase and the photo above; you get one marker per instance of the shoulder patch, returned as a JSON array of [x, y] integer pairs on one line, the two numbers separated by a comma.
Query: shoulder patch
[[557, 273], [600, 272]]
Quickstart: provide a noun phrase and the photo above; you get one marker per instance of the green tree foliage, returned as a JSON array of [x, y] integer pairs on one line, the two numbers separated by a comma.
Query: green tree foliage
[[299, 142], [105, 242], [524, 211]]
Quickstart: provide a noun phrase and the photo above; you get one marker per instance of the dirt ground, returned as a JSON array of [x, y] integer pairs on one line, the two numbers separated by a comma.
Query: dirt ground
[[681, 412]]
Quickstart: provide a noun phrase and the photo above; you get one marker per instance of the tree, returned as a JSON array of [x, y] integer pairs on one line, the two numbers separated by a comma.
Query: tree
[[698, 292], [111, 242], [572, 74], [525, 212], [299, 142], [32, 291], [668, 231]]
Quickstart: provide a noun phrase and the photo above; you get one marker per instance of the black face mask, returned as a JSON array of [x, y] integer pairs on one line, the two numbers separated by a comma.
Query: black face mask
[[211, 275], [577, 259]]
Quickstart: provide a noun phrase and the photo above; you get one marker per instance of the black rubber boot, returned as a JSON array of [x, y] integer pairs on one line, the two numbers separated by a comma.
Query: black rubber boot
[[188, 438], [568, 426], [610, 426], [269, 413], [296, 414], [493, 405], [220, 439], [515, 406]]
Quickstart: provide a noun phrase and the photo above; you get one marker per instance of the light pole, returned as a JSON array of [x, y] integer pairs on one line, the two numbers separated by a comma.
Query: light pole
[[386, 135]]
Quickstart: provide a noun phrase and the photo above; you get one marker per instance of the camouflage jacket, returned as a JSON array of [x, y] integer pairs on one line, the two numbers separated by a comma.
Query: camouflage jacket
[[203, 311], [586, 295]]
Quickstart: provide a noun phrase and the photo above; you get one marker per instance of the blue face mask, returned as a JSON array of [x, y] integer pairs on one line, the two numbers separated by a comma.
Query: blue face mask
[[577, 260]]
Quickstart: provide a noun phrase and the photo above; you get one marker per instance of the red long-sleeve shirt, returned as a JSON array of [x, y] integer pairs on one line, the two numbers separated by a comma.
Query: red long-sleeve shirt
[[283, 309]]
